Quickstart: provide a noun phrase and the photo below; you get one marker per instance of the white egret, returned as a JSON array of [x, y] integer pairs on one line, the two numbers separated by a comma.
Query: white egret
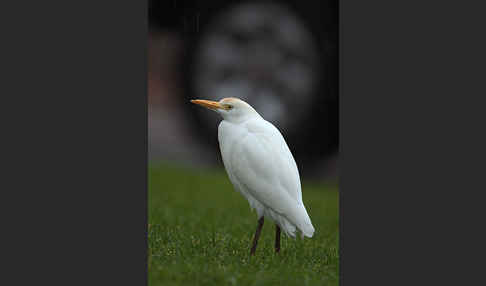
[[261, 167]]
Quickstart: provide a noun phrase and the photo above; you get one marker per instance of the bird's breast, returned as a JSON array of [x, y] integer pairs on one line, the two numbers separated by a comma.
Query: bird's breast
[[228, 134]]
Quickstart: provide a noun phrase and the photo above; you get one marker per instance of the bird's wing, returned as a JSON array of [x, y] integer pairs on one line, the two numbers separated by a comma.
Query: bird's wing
[[263, 164]]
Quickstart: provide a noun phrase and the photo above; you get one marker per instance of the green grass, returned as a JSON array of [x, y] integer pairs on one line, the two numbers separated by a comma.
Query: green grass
[[200, 231]]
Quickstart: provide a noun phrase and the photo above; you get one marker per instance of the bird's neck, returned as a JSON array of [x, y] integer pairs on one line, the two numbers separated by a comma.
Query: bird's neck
[[243, 118]]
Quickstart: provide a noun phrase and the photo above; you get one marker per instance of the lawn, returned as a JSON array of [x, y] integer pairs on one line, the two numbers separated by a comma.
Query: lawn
[[200, 231]]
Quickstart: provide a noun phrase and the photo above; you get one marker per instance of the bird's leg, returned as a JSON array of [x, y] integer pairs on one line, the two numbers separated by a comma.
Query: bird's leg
[[277, 239], [257, 235]]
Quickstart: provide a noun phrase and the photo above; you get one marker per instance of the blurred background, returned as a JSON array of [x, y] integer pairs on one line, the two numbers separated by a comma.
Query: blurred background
[[279, 56]]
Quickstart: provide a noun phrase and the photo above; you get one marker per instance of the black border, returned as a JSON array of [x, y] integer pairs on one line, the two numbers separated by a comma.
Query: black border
[[409, 122], [76, 80]]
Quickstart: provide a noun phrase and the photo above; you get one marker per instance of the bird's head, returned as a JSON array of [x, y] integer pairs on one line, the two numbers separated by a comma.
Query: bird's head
[[230, 108]]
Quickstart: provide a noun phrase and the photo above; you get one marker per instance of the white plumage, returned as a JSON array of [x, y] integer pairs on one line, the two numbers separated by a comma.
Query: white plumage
[[260, 165]]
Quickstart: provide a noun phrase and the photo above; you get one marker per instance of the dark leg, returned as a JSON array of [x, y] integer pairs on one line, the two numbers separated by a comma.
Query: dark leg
[[257, 235], [277, 239]]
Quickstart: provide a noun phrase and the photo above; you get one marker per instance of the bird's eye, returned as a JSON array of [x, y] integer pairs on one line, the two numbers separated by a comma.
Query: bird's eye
[[229, 107]]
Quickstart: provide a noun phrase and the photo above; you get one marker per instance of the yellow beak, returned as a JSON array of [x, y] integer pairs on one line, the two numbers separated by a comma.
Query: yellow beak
[[208, 103]]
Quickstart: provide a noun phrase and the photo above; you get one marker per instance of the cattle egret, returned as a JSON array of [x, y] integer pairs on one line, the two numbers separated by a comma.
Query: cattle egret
[[261, 167]]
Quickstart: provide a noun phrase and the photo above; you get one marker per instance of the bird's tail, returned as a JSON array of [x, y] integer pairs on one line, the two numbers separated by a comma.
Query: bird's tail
[[297, 219], [304, 223]]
